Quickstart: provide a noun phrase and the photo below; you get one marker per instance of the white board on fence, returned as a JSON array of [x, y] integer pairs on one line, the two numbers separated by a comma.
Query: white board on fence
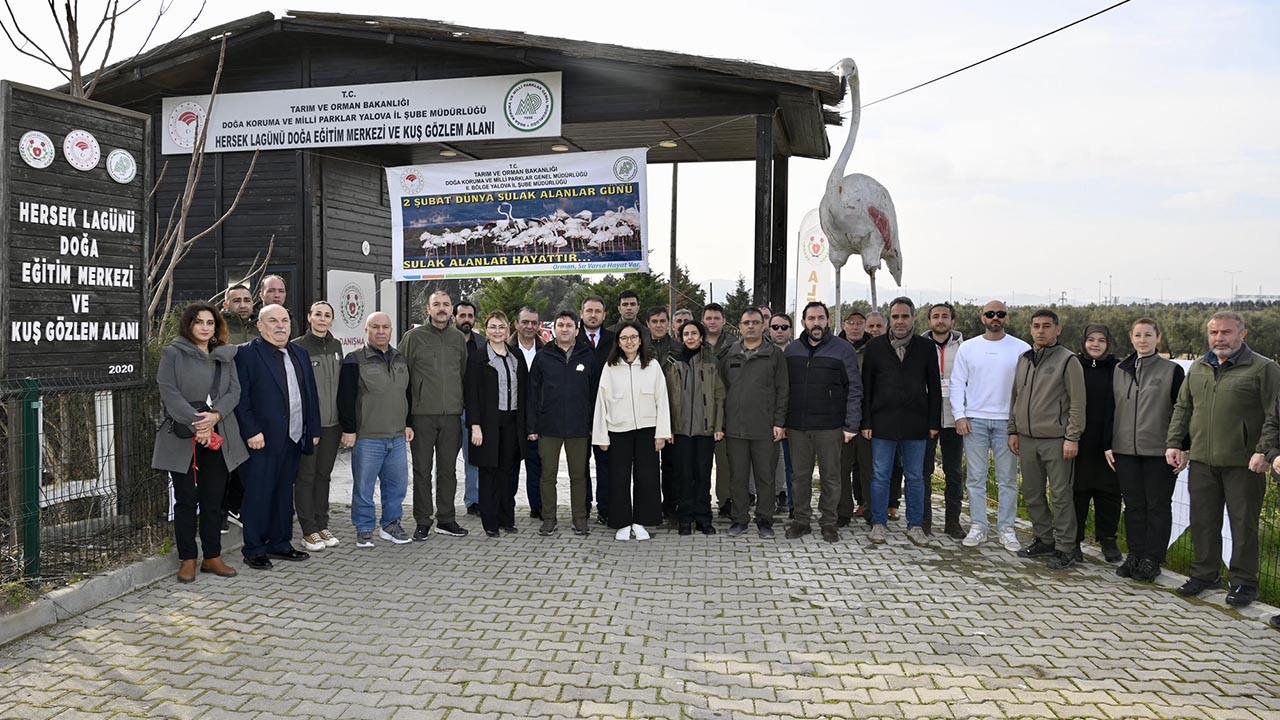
[[1182, 503]]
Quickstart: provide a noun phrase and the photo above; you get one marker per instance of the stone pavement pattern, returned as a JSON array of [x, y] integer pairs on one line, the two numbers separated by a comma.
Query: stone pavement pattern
[[678, 627]]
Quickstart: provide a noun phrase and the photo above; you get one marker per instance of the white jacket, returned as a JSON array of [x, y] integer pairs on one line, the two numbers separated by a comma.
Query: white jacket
[[630, 398]]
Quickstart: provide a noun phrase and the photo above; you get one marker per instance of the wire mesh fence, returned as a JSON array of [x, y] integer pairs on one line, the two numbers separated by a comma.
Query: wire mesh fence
[[77, 492]]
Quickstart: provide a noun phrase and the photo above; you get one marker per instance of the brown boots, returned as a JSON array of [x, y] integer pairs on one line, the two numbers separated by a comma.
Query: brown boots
[[187, 570], [217, 567]]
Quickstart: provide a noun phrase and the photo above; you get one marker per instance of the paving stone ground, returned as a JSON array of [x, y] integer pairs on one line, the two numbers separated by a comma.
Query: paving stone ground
[[677, 627]]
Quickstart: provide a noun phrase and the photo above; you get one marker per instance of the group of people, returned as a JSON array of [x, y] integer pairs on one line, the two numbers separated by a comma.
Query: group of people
[[655, 404]]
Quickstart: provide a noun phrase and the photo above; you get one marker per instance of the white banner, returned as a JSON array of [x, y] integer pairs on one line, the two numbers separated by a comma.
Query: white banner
[[403, 113], [352, 295], [813, 268], [543, 215]]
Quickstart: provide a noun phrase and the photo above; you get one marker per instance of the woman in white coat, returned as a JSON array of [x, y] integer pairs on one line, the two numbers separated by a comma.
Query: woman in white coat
[[632, 422]]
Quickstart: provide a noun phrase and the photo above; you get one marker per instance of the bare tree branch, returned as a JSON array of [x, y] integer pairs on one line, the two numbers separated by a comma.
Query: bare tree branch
[[107, 18], [163, 169], [44, 57], [176, 37], [111, 38], [244, 184], [62, 33], [174, 244], [261, 261], [72, 43]]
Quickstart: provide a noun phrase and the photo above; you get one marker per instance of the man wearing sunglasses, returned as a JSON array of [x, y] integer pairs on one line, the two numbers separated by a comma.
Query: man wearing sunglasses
[[981, 381]]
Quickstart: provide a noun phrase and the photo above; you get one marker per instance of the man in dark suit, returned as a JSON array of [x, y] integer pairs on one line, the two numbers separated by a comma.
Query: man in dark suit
[[600, 339], [279, 416]]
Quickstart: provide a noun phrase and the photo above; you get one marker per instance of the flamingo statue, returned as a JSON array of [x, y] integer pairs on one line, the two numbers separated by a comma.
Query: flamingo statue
[[856, 211]]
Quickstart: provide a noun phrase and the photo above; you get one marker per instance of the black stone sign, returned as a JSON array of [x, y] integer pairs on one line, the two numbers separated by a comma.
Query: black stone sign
[[73, 238]]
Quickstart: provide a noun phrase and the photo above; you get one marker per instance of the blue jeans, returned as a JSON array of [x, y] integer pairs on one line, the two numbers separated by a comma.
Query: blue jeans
[[471, 494], [991, 438], [371, 460], [884, 454]]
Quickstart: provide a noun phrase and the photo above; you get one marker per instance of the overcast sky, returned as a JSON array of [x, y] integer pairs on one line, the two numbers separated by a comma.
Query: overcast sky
[[1140, 145]]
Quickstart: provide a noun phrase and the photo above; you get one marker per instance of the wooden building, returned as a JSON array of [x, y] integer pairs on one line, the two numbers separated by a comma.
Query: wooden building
[[322, 205]]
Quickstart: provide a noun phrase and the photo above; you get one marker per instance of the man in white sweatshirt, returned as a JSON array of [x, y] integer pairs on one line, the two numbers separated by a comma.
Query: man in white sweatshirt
[[981, 386]]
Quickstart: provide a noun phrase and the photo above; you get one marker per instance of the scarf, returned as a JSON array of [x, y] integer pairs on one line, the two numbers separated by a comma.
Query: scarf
[[900, 346]]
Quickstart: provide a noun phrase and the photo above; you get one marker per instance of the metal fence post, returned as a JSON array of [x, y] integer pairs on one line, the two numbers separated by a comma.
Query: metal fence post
[[31, 480]]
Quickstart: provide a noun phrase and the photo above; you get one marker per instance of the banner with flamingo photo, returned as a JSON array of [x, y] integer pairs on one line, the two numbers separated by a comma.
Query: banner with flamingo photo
[[542, 215]]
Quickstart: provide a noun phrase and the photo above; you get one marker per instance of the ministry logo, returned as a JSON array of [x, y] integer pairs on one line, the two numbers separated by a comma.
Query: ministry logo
[[528, 105], [352, 305]]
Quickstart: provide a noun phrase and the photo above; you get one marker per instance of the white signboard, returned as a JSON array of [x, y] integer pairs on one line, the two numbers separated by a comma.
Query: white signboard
[[813, 268], [403, 113], [542, 215], [352, 295]]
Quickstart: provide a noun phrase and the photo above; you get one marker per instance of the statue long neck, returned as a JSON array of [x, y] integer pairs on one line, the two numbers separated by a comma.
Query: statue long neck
[[855, 116]]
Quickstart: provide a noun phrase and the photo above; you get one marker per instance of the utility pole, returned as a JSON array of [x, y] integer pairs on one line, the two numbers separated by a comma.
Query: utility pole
[[1162, 288], [951, 289], [1232, 295], [1111, 293]]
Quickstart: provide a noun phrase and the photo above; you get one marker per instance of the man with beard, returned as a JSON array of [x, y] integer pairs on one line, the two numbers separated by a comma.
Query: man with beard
[[946, 340], [237, 309], [981, 379], [902, 411], [464, 319], [1223, 404], [437, 357], [824, 410]]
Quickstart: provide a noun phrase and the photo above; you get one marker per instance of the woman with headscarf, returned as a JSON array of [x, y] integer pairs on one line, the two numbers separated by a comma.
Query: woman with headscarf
[[697, 422], [1094, 479]]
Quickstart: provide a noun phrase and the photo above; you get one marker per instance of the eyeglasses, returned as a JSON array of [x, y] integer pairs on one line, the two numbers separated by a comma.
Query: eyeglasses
[[995, 314], [628, 338], [752, 322], [779, 327]]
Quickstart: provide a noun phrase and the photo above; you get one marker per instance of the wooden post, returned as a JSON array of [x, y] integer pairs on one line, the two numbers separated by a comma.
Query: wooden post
[[672, 294], [777, 297], [764, 200]]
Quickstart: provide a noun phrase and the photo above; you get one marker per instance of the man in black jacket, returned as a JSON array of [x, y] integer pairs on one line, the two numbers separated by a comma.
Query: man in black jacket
[[559, 416], [903, 410], [824, 410]]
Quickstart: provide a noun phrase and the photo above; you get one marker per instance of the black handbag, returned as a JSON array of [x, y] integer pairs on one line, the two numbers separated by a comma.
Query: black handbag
[[186, 432]]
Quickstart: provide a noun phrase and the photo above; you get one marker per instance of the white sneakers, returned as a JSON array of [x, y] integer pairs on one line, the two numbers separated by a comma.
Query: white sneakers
[[330, 540], [626, 533], [313, 542], [978, 535]]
